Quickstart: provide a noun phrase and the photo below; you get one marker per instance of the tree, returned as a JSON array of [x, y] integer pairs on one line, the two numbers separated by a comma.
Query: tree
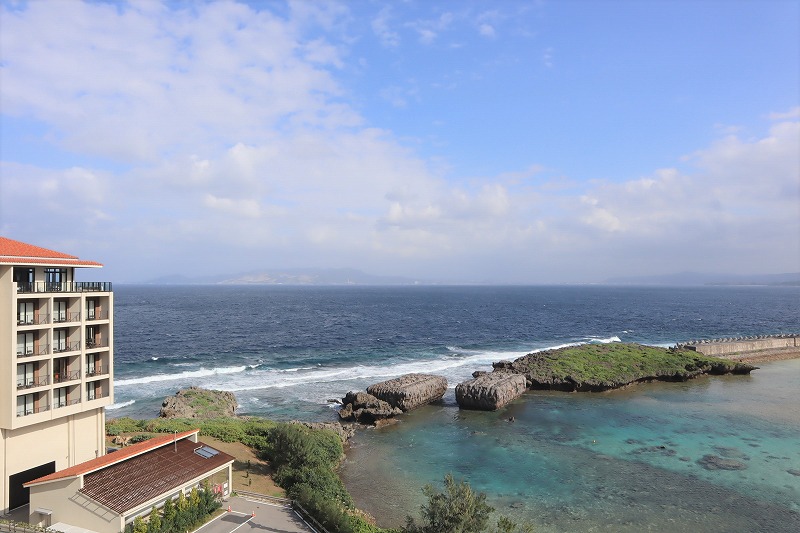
[[457, 509], [139, 526], [154, 524]]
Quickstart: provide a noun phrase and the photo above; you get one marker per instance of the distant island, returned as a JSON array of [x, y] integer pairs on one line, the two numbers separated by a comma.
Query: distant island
[[353, 276], [291, 276]]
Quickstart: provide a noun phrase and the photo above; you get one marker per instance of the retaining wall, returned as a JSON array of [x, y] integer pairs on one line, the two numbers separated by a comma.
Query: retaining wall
[[717, 347]]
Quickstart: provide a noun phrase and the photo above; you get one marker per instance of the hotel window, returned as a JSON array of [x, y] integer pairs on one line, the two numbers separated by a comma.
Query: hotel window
[[60, 340], [91, 337], [92, 364], [91, 305], [55, 278], [93, 390], [25, 343], [60, 369], [60, 311], [26, 376], [24, 313], [60, 397], [23, 276], [25, 405]]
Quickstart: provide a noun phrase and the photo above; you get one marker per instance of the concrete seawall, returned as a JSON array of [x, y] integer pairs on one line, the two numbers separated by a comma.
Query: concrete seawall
[[745, 347]]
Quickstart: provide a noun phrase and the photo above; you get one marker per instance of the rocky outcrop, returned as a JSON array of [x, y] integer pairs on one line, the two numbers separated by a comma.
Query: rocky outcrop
[[601, 367], [490, 391], [410, 391], [196, 402], [366, 409]]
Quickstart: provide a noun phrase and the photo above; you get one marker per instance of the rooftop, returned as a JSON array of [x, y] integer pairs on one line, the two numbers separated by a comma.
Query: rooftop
[[116, 457], [127, 478], [16, 252]]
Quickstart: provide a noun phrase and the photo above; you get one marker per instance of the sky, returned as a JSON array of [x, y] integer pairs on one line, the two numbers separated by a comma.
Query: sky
[[464, 141]]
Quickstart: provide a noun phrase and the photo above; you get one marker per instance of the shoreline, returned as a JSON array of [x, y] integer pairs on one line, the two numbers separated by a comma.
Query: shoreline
[[764, 356]]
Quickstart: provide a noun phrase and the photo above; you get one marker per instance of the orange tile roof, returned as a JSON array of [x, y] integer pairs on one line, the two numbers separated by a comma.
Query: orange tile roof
[[17, 252], [113, 458]]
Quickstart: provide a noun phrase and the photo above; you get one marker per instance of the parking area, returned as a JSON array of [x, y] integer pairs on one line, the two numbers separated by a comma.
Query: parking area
[[251, 515]]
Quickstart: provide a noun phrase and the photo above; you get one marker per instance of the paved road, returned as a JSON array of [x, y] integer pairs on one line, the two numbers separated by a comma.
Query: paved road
[[249, 516]]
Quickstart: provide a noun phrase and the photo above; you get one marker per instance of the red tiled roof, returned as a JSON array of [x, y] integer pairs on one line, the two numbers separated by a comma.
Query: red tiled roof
[[16, 252], [112, 458]]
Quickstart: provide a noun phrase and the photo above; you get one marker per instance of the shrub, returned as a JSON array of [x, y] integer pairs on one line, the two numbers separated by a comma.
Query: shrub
[[117, 426], [457, 509]]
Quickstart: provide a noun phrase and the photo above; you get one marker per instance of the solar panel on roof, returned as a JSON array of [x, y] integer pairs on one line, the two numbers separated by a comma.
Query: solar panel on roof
[[206, 452]]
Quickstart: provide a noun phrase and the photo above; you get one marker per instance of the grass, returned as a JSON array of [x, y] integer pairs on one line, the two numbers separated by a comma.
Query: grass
[[614, 365]]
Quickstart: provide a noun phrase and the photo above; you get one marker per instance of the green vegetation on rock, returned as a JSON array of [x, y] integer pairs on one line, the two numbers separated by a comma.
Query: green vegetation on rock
[[596, 367]]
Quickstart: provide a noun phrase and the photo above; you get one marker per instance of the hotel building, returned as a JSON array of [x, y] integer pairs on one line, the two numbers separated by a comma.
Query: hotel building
[[56, 365]]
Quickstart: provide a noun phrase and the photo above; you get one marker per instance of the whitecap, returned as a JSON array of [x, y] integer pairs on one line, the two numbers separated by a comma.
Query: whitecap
[[203, 372], [120, 405]]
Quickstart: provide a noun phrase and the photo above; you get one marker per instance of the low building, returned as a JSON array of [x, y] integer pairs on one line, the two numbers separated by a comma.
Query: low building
[[105, 494]]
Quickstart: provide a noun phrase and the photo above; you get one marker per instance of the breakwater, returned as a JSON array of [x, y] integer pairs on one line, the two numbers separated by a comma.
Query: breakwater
[[747, 346]]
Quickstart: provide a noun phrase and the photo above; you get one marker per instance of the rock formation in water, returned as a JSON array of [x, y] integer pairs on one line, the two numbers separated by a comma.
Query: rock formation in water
[[366, 409], [490, 391], [410, 391], [196, 402], [600, 367]]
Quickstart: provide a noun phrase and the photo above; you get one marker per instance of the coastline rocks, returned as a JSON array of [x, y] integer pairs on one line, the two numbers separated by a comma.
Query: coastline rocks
[[489, 392], [365, 408], [196, 402], [410, 391], [602, 367]]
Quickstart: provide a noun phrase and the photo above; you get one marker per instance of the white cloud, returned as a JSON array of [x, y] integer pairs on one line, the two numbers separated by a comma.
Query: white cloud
[[236, 137], [486, 30], [382, 29]]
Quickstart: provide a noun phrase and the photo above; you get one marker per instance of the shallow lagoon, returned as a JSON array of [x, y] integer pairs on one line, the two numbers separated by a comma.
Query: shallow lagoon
[[620, 461]]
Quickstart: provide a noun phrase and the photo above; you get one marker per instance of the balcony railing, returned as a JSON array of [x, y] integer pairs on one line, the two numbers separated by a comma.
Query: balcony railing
[[96, 396], [26, 352], [71, 286], [61, 377], [59, 318], [67, 347], [99, 343], [96, 370], [33, 410], [97, 315], [28, 320], [64, 403], [30, 383]]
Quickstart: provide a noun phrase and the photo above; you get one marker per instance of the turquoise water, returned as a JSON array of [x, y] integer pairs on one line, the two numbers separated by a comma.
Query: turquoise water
[[620, 461]]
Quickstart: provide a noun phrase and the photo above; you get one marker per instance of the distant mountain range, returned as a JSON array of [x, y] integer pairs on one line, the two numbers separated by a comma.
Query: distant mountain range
[[297, 276], [698, 278], [352, 276]]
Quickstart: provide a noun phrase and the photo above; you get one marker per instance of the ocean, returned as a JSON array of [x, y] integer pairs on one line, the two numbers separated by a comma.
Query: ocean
[[629, 460]]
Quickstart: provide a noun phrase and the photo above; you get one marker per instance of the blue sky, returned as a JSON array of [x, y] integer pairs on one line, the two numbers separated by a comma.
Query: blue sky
[[511, 142]]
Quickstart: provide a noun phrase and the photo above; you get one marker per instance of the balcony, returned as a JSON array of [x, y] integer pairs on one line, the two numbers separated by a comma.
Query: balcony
[[99, 343], [33, 410], [66, 347], [97, 370], [30, 383], [97, 315], [65, 403], [61, 377], [96, 396], [60, 318], [61, 287]]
